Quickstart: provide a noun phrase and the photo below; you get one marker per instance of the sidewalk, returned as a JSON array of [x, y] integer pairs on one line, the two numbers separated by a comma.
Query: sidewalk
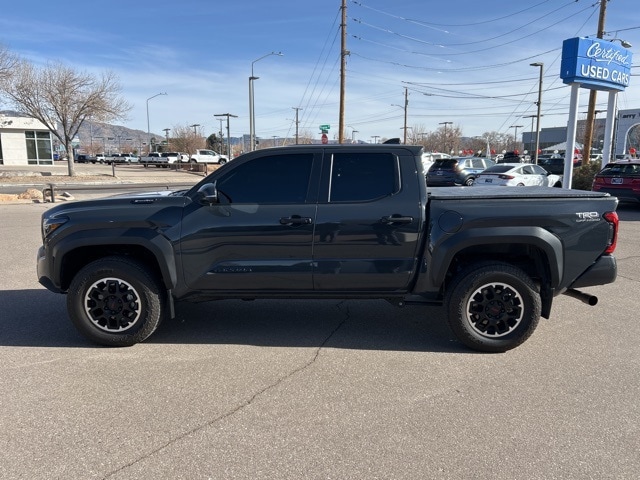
[[25, 183], [36, 175]]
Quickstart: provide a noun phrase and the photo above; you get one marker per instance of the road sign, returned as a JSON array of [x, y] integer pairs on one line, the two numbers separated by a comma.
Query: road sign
[[325, 139], [325, 127]]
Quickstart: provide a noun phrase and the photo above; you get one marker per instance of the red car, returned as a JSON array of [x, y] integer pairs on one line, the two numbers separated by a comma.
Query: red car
[[620, 179]]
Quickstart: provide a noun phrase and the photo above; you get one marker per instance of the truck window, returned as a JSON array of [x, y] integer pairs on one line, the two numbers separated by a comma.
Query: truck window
[[276, 179], [362, 177]]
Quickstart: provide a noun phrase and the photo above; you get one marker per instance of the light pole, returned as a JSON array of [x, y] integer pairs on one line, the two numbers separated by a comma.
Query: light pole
[[539, 104], [515, 136], [252, 117], [148, 128], [445, 134]]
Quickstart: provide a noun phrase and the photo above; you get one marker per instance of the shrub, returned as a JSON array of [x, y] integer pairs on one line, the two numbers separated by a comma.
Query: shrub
[[583, 176]]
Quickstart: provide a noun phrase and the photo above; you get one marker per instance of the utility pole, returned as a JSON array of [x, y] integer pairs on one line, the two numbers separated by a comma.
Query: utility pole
[[406, 107], [166, 135], [343, 66], [297, 109], [228, 132], [588, 130]]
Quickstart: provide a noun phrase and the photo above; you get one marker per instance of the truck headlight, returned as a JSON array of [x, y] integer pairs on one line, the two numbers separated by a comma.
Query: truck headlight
[[50, 225]]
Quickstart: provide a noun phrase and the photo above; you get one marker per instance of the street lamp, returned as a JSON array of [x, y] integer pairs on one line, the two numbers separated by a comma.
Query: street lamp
[[445, 134], [252, 117], [539, 104], [515, 135], [148, 128]]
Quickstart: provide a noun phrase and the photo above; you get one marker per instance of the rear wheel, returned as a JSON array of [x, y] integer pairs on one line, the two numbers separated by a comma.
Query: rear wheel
[[115, 302], [493, 307]]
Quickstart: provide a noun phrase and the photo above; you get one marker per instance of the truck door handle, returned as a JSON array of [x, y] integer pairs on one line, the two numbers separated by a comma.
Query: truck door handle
[[295, 220], [396, 219]]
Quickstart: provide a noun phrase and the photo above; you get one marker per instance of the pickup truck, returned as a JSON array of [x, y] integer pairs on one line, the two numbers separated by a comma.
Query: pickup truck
[[122, 158], [208, 156], [154, 158], [329, 221]]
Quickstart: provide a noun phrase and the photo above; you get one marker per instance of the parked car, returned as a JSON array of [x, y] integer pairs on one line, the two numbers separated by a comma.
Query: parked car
[[172, 157], [100, 158], [81, 158], [517, 175], [552, 163], [207, 156], [122, 158], [447, 172], [620, 179], [514, 157], [154, 158], [429, 157]]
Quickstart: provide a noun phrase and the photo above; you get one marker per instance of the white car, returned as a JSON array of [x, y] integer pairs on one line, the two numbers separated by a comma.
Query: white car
[[517, 175]]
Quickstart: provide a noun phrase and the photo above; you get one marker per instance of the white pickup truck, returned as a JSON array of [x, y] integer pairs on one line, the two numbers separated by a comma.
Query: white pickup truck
[[208, 156]]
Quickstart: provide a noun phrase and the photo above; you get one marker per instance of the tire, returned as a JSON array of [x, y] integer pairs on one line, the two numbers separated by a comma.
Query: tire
[[468, 182], [493, 307], [132, 293], [222, 161], [193, 161]]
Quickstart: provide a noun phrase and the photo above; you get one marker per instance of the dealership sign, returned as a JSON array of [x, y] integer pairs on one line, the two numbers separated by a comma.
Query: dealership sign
[[596, 64]]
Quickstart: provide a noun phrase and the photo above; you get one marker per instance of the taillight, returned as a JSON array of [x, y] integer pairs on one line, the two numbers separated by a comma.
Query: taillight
[[506, 177], [612, 218]]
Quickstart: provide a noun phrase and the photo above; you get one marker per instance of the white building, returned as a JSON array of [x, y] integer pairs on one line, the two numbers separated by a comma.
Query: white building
[[24, 141]]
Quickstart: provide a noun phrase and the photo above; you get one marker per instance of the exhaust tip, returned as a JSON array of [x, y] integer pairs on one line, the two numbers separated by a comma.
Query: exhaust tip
[[583, 297]]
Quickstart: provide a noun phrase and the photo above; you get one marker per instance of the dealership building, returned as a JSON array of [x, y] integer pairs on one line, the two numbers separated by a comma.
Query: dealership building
[[622, 140], [24, 141]]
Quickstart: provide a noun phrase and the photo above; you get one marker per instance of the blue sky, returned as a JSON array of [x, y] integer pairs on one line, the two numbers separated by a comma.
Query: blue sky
[[465, 61]]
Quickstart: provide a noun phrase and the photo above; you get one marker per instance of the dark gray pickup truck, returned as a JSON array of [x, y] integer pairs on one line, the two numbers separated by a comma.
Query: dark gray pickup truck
[[330, 221]]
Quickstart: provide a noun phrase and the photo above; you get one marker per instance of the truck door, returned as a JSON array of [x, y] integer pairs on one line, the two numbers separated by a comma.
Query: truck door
[[369, 220], [259, 236]]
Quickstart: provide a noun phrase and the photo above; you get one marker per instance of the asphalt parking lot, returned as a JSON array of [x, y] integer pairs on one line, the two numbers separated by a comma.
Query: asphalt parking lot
[[315, 389]]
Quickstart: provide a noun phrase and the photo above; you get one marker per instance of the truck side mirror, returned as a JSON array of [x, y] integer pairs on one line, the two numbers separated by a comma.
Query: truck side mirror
[[208, 193]]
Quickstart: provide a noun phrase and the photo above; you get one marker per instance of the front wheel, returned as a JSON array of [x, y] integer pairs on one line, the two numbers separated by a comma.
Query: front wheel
[[493, 307], [222, 161], [115, 302], [469, 181]]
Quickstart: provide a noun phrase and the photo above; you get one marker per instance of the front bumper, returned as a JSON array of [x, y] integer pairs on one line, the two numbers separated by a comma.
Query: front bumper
[[44, 272]]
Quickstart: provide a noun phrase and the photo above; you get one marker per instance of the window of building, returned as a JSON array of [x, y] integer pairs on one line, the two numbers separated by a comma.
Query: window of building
[[39, 150]]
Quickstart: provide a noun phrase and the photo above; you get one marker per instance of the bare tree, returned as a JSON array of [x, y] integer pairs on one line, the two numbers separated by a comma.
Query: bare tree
[[63, 99], [186, 139], [8, 62]]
